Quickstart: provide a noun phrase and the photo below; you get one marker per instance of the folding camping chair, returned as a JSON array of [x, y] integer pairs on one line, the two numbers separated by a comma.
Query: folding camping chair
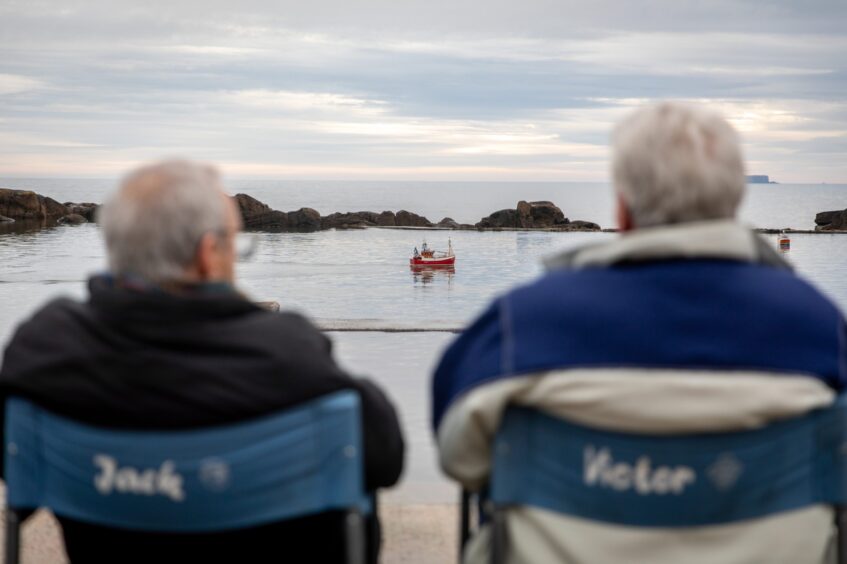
[[298, 462], [664, 481]]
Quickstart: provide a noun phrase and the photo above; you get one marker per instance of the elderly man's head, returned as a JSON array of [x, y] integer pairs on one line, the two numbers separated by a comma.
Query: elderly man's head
[[676, 163], [171, 222]]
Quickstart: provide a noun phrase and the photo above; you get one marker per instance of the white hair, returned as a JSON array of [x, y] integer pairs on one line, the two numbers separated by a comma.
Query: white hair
[[154, 223], [675, 163]]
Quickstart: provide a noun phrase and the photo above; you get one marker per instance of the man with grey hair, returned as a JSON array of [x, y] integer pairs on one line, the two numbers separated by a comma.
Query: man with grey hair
[[686, 323], [166, 342]]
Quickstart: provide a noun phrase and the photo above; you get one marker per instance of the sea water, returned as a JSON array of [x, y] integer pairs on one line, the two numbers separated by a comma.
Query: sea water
[[361, 278]]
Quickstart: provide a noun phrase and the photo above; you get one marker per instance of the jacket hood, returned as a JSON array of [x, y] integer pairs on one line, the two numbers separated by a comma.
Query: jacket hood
[[721, 240]]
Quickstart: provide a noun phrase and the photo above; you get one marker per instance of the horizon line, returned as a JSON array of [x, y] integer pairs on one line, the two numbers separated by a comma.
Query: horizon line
[[228, 178]]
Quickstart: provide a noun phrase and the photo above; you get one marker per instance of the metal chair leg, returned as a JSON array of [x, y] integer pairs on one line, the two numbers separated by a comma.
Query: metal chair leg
[[499, 536], [13, 537], [464, 522], [354, 532], [841, 534]]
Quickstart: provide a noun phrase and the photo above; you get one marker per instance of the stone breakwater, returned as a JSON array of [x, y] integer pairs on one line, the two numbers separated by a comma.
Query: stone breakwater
[[526, 215], [41, 211]]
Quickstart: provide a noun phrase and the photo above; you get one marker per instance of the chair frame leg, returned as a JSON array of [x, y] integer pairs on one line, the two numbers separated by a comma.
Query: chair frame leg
[[499, 536], [464, 521], [841, 534], [13, 537], [354, 532]]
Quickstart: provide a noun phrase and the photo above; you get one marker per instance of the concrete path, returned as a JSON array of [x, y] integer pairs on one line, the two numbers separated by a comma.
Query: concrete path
[[420, 534]]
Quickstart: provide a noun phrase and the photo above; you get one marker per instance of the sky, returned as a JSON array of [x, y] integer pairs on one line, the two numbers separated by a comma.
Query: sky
[[411, 89]]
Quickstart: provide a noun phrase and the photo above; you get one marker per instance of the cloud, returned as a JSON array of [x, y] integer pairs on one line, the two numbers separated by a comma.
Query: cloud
[[292, 101], [14, 84], [513, 90]]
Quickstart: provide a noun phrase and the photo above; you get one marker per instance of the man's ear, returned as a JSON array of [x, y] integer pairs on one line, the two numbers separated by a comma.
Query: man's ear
[[624, 216], [204, 259]]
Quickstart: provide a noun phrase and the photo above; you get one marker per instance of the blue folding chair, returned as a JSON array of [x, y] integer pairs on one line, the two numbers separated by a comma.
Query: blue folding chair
[[302, 461], [665, 481]]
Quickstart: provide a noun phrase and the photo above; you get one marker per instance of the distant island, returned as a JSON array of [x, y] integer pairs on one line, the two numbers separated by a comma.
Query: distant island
[[760, 179]]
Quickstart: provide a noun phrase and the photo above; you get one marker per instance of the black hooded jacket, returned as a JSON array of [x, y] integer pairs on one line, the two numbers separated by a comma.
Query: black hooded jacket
[[148, 359]]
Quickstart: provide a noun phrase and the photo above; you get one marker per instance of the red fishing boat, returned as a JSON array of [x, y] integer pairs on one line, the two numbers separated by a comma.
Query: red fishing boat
[[429, 257]]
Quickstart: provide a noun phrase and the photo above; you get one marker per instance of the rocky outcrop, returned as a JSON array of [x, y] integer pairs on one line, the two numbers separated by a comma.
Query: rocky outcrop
[[4, 219], [20, 204], [540, 215], [304, 219], [361, 219], [499, 219], [72, 219], [409, 219], [386, 219], [259, 215], [352, 220], [831, 221], [578, 225], [52, 208], [527, 215], [27, 205], [87, 210]]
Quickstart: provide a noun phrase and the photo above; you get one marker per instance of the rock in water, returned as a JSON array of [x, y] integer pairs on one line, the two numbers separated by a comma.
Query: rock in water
[[448, 222], [405, 218], [87, 210], [529, 215], [256, 214], [20, 204], [4, 219], [361, 219], [544, 214], [579, 225], [349, 220], [26, 204], [304, 219], [500, 218], [72, 219], [386, 219], [52, 208], [831, 221]]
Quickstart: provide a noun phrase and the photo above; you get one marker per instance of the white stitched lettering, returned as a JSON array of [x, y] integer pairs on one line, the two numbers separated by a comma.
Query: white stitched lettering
[[164, 481], [600, 469]]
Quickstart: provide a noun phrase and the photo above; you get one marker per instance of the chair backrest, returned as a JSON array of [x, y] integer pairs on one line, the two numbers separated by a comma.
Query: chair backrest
[[670, 481], [301, 461]]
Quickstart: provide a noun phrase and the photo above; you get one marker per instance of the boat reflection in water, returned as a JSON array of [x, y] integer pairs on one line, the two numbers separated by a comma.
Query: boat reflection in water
[[427, 274]]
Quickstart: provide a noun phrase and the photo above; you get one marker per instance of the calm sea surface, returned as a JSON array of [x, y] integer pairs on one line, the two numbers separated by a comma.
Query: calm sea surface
[[363, 277]]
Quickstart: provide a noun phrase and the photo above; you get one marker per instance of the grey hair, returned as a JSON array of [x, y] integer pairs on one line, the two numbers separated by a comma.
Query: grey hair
[[155, 221], [675, 163]]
